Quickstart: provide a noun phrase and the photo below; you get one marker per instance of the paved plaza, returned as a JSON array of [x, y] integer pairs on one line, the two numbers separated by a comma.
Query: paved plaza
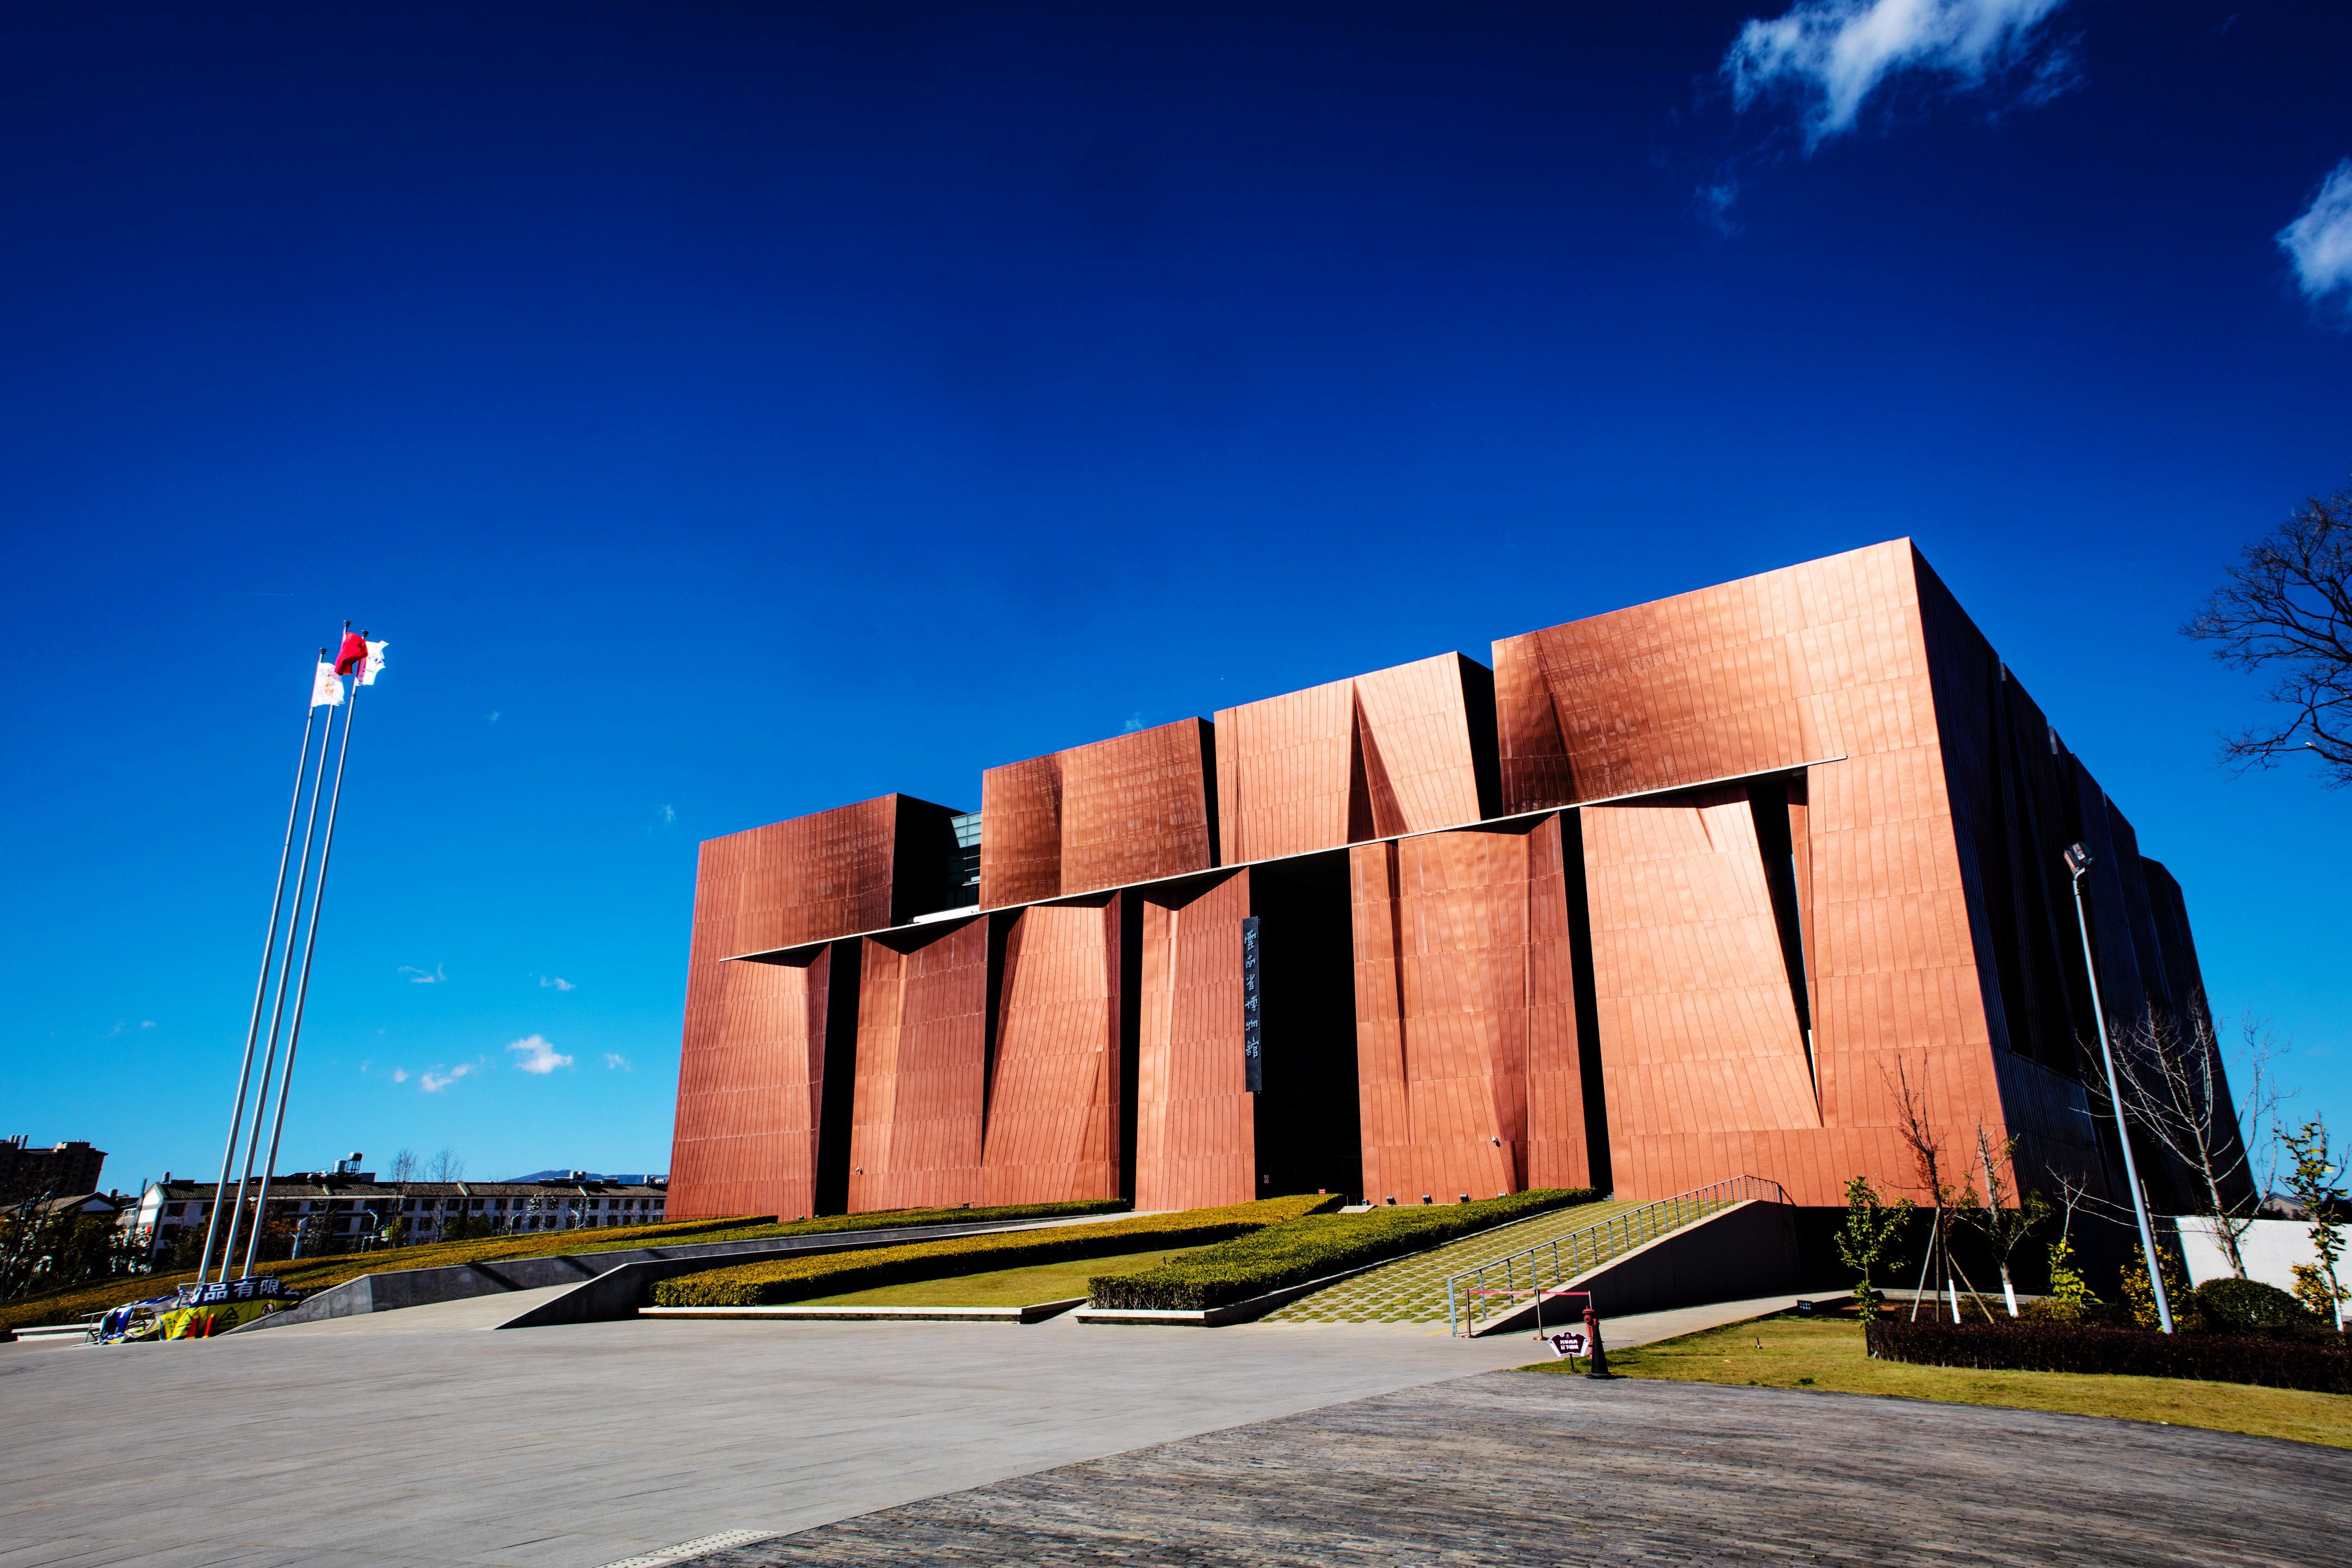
[[1510, 1469], [420, 1437]]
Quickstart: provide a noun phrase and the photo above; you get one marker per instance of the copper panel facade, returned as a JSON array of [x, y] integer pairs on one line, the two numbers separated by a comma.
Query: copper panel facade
[[854, 868], [921, 1098], [752, 1059], [1053, 1089], [1130, 809], [1694, 994], [1697, 1028], [1467, 1051], [1390, 753], [1843, 856], [1195, 1137]]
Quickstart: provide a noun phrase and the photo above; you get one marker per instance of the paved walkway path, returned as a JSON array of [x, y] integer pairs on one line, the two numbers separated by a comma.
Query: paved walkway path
[[568, 1447], [1514, 1469]]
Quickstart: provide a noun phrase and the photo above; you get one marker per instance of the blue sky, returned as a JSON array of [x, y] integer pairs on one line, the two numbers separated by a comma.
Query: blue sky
[[729, 412]]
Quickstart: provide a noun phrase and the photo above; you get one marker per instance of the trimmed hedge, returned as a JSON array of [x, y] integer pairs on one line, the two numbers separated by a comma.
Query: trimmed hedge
[[2233, 1306], [2132, 1352], [1310, 1247], [784, 1280]]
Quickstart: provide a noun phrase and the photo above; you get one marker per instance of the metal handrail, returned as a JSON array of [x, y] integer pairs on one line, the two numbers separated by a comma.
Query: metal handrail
[[1563, 1258]]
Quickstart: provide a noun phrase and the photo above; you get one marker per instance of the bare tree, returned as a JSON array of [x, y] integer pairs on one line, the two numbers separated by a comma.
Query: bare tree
[[2176, 1089], [1927, 1156], [2288, 607], [396, 1226], [2003, 1223], [447, 1166]]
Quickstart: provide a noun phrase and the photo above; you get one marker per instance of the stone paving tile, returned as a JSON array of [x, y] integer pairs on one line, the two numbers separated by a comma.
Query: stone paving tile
[[1512, 1467], [1412, 1289]]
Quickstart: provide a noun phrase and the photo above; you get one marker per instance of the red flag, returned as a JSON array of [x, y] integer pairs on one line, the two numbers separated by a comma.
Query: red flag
[[353, 653]]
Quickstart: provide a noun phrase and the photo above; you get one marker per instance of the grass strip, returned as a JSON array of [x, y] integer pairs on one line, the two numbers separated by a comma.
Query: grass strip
[[1019, 1287], [308, 1275], [1312, 1247], [1830, 1356], [776, 1281]]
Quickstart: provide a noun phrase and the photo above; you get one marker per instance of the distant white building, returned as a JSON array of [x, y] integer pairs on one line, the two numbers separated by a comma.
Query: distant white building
[[349, 1211]]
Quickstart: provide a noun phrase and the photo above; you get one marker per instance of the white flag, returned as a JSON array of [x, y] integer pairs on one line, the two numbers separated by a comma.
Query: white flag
[[326, 687], [372, 666]]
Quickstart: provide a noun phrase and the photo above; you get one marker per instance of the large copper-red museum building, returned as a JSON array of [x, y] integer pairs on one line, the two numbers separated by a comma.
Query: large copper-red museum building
[[1659, 899]]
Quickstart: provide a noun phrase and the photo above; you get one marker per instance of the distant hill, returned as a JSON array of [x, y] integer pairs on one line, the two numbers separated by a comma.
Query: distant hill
[[585, 1175]]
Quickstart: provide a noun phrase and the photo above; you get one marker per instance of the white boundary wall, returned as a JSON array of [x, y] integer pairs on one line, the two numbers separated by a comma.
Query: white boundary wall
[[2271, 1249]]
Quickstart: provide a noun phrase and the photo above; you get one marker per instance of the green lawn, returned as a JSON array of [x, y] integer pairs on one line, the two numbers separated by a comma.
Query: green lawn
[[1798, 1353], [1001, 1287]]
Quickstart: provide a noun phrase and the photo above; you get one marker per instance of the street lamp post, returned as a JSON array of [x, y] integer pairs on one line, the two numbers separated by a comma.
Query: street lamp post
[[2078, 861]]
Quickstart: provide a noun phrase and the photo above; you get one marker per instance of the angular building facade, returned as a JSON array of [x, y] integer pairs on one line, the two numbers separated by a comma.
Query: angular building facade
[[1695, 890]]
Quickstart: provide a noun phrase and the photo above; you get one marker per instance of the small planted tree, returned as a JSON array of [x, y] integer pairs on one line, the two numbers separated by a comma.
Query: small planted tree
[[1871, 1226], [2316, 1178], [2004, 1223]]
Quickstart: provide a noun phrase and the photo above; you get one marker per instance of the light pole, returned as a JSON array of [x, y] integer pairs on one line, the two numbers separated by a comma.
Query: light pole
[[2078, 861]]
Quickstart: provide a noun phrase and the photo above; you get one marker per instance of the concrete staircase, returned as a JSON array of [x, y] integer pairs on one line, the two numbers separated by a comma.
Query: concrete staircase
[[1728, 1239], [1412, 1289]]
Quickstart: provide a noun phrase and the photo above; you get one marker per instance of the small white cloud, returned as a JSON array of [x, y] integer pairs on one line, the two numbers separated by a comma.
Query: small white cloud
[[1715, 202], [539, 1056], [494, 716], [400, 1075], [422, 977], [1134, 723], [146, 1023], [668, 813], [545, 981], [615, 1059], [434, 1081], [2320, 241], [1832, 55]]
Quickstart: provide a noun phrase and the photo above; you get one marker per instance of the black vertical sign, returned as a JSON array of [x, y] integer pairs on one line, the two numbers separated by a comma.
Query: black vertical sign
[[1253, 1064]]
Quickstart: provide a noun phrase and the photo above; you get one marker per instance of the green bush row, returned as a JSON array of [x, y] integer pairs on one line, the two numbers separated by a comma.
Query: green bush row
[[784, 1280], [2136, 1352], [1310, 1247]]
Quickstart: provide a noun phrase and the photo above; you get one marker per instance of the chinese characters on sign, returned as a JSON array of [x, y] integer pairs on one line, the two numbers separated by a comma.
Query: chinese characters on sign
[[1566, 1343], [1253, 1064]]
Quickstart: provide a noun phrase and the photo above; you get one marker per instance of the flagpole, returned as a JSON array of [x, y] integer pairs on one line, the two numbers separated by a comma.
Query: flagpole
[[261, 989], [277, 1011], [309, 946]]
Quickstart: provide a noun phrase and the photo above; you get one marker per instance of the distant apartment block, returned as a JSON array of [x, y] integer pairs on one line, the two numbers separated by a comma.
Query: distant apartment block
[[338, 1213], [57, 1171]]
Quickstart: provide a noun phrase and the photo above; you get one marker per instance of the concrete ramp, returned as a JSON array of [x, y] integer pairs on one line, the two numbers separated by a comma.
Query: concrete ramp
[[1746, 1250], [591, 1286], [440, 1317]]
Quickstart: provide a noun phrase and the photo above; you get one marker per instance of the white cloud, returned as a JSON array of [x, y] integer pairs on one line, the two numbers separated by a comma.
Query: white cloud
[[539, 1056], [2320, 241], [560, 984], [494, 715], [400, 1075], [435, 1081], [146, 1023], [669, 814], [422, 977], [615, 1059], [1832, 55], [1134, 723]]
